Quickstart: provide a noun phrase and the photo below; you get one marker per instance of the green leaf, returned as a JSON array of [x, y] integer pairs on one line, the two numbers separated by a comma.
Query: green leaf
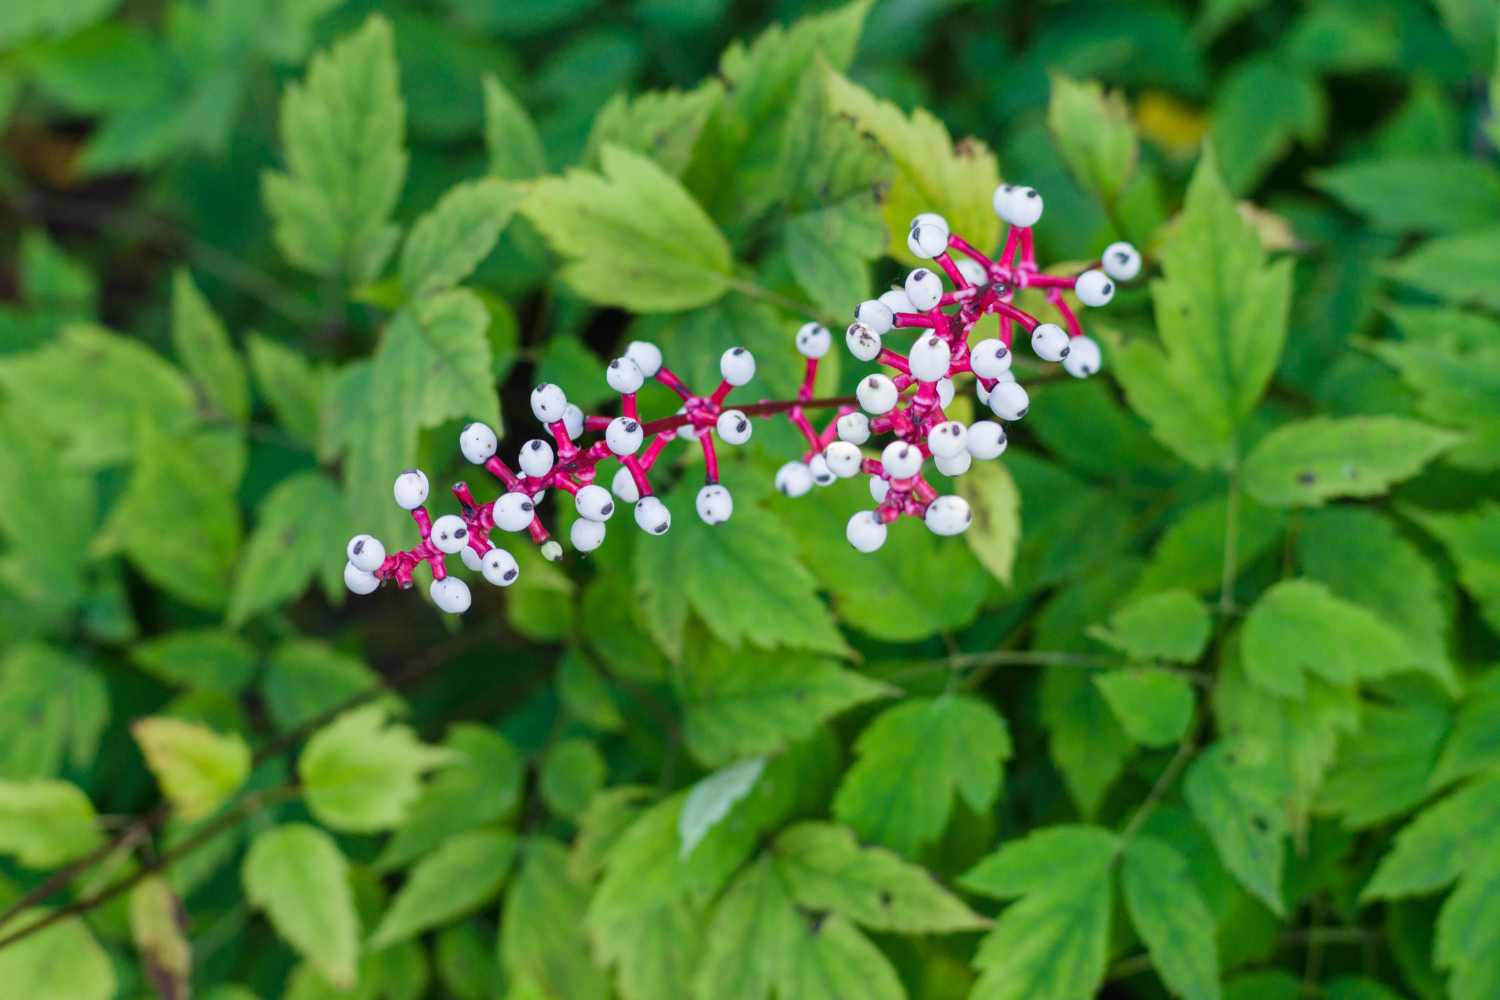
[[304, 679], [1474, 744], [290, 384], [1053, 942], [1387, 767], [912, 758], [90, 388], [826, 870], [1297, 626], [481, 785], [1473, 543], [455, 366], [541, 928], [178, 522], [1468, 931], [1170, 916], [712, 797], [1360, 557], [200, 340], [1169, 625], [1456, 388], [996, 529], [47, 514], [360, 774], [1094, 133], [632, 237], [738, 703], [296, 874], [1221, 312], [1446, 839], [463, 874], [25, 22], [1461, 193], [198, 658], [288, 546], [573, 771], [197, 768], [448, 242], [515, 149], [586, 695], [158, 927], [1154, 707], [662, 124], [933, 174], [62, 961], [1086, 740], [1239, 803], [46, 824], [1260, 109], [1454, 268], [65, 703], [736, 581], [343, 129], [1306, 463]]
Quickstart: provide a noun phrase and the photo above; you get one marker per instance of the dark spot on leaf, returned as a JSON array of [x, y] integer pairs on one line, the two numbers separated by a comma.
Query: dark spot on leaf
[[1260, 824], [1307, 478], [885, 898]]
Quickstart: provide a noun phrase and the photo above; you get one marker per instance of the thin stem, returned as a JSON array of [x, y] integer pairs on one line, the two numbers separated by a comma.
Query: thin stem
[[1164, 782], [765, 408], [247, 807], [1231, 544]]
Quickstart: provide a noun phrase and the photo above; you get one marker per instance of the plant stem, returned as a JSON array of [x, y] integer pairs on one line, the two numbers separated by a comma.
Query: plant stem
[[1164, 782], [765, 408], [1231, 544]]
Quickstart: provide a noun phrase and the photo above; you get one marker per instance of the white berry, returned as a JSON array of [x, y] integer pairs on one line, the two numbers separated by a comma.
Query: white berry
[[879, 488], [478, 442], [843, 458], [573, 420], [514, 512], [865, 531], [536, 457], [1094, 288], [548, 403], [594, 503], [499, 567], [793, 479], [947, 439], [876, 315], [623, 436], [897, 301], [470, 558], [954, 465], [624, 376], [862, 342], [1009, 401], [929, 358], [715, 505], [820, 472], [411, 489], [450, 534], [948, 515], [652, 516], [1121, 261], [854, 428], [877, 394], [623, 486], [973, 271], [733, 427], [586, 535], [926, 241], [1049, 341], [990, 358], [901, 460], [647, 357], [932, 219], [985, 440], [1084, 359], [737, 366], [814, 340], [451, 594], [924, 288], [946, 390], [365, 552], [360, 581], [1018, 206]]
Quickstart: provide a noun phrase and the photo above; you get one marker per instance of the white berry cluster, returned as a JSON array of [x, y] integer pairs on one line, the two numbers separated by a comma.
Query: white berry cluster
[[909, 402]]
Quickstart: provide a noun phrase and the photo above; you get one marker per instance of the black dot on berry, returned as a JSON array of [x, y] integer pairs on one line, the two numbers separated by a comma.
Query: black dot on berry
[[510, 574], [1065, 352], [741, 426], [631, 426], [661, 528], [737, 351], [526, 505], [460, 533], [359, 546], [1108, 288], [607, 509], [1121, 256], [1031, 192]]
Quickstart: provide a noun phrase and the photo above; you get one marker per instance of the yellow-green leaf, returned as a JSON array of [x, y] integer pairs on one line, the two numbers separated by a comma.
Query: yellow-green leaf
[[296, 874], [45, 823], [361, 773], [197, 768]]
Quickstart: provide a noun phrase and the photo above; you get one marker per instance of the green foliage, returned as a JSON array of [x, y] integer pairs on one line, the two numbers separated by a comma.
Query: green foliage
[[1205, 704]]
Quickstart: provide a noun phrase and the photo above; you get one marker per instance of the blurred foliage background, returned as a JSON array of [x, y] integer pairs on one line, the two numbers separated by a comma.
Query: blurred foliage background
[[1205, 706]]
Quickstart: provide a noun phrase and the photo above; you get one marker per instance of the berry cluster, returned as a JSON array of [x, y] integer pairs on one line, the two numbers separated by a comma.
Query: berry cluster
[[908, 405]]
